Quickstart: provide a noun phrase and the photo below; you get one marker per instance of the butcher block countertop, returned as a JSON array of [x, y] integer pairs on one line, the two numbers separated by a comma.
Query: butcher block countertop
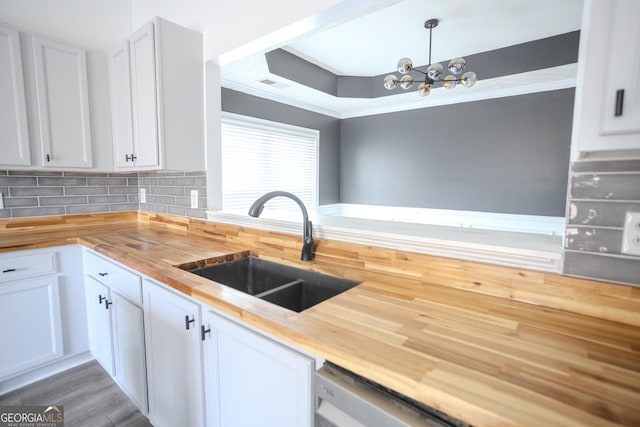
[[486, 360]]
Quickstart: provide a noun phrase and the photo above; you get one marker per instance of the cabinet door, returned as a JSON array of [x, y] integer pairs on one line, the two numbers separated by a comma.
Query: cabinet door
[[252, 380], [100, 335], [622, 78], [608, 72], [121, 118], [174, 358], [13, 110], [128, 345], [63, 104], [30, 326], [145, 97]]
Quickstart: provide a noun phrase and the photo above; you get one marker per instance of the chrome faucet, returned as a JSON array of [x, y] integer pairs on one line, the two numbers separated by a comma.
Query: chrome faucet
[[307, 232]]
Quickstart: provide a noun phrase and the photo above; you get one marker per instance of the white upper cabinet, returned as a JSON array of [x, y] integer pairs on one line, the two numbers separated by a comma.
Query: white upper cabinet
[[607, 112], [62, 104], [14, 137], [157, 99], [121, 116]]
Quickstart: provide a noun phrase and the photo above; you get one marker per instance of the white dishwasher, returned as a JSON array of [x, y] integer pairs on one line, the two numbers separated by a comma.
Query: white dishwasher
[[344, 399]]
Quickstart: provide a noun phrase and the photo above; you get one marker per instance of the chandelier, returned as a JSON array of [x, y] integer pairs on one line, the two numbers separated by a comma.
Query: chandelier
[[434, 73]]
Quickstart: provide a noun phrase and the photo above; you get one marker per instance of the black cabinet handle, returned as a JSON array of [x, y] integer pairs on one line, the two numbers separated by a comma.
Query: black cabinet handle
[[619, 102], [101, 298], [48, 158], [103, 274], [107, 303], [204, 331], [9, 270], [133, 157], [187, 322], [127, 158]]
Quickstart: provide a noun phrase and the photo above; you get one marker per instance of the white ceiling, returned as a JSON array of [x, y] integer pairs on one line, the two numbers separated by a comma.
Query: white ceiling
[[372, 44]]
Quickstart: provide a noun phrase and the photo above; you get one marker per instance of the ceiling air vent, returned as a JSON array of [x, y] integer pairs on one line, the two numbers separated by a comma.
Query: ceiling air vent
[[271, 83]]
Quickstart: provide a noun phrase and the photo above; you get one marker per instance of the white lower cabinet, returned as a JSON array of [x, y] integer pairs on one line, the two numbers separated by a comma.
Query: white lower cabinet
[[252, 380], [100, 336], [201, 369], [30, 325], [174, 357], [129, 349], [42, 316], [116, 325]]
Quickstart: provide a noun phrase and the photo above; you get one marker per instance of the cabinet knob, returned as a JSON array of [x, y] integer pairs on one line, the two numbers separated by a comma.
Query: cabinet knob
[[101, 298], [187, 322], [107, 303], [9, 270], [204, 331]]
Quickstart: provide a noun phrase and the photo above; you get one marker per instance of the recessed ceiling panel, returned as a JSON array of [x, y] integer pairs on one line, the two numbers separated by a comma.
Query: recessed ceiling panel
[[372, 44]]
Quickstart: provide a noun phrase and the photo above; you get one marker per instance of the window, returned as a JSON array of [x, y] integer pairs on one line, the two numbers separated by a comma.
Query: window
[[259, 156]]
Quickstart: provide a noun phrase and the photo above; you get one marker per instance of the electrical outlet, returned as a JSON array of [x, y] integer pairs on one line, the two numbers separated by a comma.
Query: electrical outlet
[[143, 195], [631, 234], [194, 198]]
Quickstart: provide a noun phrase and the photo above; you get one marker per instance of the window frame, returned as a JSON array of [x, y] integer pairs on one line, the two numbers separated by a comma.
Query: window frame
[[271, 125]]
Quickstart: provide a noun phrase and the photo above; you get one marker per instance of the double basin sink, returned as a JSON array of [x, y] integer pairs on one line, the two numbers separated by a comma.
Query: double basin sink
[[288, 287]]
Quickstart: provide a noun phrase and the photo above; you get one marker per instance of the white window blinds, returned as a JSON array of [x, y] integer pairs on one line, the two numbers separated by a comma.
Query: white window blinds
[[259, 156]]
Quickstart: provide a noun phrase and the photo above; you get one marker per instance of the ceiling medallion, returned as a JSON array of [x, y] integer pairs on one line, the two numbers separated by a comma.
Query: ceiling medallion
[[434, 73]]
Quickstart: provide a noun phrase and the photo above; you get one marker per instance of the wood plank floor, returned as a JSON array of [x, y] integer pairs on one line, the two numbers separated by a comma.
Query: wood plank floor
[[89, 395]]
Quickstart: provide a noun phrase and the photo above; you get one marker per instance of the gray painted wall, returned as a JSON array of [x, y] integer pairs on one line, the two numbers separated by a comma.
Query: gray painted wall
[[329, 127], [507, 155]]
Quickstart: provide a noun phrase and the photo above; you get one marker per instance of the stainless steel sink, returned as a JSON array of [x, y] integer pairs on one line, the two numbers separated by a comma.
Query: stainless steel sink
[[288, 287]]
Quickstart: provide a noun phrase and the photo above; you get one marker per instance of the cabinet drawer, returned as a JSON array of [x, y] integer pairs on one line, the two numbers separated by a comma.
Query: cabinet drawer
[[20, 267], [122, 281]]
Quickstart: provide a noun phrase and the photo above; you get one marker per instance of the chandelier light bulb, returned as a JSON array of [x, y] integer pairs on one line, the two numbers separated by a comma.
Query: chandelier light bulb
[[390, 82], [457, 65], [435, 71], [450, 82], [406, 82], [404, 65], [469, 79], [424, 89]]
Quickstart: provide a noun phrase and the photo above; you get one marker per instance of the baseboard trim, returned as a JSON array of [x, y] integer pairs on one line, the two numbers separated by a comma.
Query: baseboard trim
[[42, 372]]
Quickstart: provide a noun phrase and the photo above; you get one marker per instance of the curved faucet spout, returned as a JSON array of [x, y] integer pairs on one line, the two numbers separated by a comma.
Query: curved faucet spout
[[307, 229]]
